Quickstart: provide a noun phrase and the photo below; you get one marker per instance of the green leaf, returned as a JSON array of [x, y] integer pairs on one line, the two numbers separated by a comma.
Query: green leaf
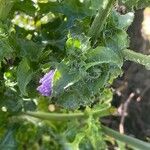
[[138, 4], [116, 40], [93, 134], [3, 123], [70, 8], [69, 89], [77, 45], [26, 6], [78, 95], [30, 49], [114, 35], [66, 13], [13, 104], [8, 142], [124, 21], [81, 92], [5, 48], [100, 19], [24, 75], [63, 79], [99, 83], [3, 11], [28, 134], [101, 55], [75, 87]]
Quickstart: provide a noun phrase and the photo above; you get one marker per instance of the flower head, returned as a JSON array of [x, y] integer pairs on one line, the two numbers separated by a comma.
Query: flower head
[[46, 84]]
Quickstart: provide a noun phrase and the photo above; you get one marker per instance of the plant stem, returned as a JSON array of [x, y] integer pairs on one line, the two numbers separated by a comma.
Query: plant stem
[[137, 57], [100, 19], [136, 143], [61, 116], [54, 116]]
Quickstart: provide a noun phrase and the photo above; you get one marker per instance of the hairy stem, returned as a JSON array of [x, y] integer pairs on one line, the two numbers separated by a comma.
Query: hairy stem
[[137, 57], [136, 143], [61, 116], [54, 116], [100, 19]]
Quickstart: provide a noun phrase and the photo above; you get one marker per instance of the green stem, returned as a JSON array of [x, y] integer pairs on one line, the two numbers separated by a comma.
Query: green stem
[[136, 143], [54, 116], [100, 19], [137, 57], [5, 7], [103, 112], [69, 116]]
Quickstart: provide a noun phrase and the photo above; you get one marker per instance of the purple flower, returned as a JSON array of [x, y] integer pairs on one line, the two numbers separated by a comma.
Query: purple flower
[[46, 84]]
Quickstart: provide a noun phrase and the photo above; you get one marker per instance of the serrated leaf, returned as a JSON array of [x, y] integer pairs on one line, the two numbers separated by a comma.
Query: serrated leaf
[[78, 96], [73, 90], [82, 91], [101, 55], [24, 75], [99, 83], [63, 79]]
